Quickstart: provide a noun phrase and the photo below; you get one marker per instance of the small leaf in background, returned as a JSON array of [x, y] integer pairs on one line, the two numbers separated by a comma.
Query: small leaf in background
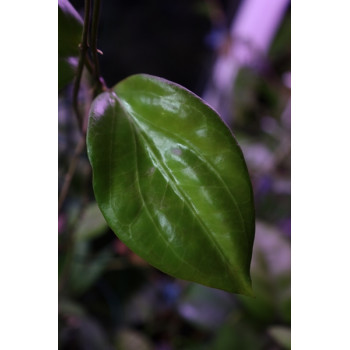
[[238, 334], [281, 335], [205, 307], [86, 269], [92, 224], [68, 308], [70, 29], [83, 333], [271, 276], [66, 70], [172, 182], [128, 339]]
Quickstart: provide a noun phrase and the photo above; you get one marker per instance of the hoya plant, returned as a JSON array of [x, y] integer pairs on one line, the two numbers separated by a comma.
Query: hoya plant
[[168, 175]]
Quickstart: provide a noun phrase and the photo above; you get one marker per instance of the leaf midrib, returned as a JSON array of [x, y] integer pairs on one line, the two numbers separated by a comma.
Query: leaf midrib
[[205, 161], [133, 128]]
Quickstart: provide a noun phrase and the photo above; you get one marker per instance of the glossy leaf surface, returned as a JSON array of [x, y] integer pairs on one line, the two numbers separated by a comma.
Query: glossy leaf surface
[[172, 182], [70, 29]]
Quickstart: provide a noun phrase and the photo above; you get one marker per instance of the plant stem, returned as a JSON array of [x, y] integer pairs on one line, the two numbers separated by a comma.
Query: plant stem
[[94, 28], [83, 52], [93, 68]]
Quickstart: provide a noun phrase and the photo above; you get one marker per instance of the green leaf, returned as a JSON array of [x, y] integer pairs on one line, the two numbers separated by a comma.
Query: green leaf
[[172, 182], [70, 29]]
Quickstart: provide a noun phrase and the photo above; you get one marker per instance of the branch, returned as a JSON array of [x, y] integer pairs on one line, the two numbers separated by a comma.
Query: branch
[[100, 85], [93, 68], [83, 52], [94, 28]]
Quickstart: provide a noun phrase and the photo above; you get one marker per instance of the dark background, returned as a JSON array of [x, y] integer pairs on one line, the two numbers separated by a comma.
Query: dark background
[[170, 39]]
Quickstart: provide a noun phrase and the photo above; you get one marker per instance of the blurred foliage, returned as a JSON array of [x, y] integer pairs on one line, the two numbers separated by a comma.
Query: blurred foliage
[[109, 298], [70, 28]]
